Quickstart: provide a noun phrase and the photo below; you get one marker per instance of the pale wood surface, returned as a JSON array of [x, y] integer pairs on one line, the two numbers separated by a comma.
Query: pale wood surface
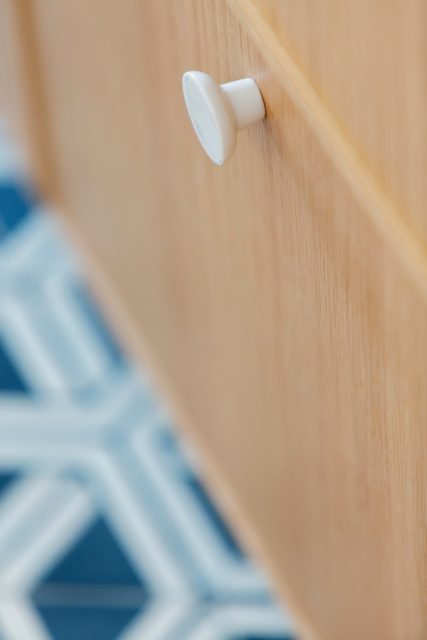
[[22, 95], [12, 83], [275, 293], [367, 61]]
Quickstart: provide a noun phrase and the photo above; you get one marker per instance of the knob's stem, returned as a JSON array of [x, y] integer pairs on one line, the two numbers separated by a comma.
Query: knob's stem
[[217, 112], [245, 100]]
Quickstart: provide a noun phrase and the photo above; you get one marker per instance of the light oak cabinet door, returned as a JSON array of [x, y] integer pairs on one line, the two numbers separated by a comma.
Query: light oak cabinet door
[[281, 296]]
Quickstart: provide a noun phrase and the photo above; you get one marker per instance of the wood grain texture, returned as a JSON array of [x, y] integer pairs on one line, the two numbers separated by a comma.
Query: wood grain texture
[[367, 62], [12, 83], [22, 95], [278, 307]]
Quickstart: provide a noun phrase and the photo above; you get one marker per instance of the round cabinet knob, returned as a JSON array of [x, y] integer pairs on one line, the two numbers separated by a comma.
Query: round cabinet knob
[[218, 111]]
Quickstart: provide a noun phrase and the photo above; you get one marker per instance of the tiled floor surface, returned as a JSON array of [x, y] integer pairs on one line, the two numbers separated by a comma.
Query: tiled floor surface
[[105, 529]]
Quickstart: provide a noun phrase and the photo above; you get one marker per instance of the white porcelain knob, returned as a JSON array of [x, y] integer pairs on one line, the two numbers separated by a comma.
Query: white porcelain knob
[[217, 112]]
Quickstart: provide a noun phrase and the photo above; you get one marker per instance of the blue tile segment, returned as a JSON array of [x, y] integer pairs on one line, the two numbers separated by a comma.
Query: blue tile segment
[[11, 379], [222, 529], [16, 202], [7, 479], [96, 558], [78, 623], [106, 529]]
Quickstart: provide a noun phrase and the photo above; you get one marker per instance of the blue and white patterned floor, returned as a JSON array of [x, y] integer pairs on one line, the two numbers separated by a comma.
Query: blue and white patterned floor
[[105, 529]]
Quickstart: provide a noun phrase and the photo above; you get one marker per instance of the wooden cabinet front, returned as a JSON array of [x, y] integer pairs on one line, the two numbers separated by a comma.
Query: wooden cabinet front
[[281, 296]]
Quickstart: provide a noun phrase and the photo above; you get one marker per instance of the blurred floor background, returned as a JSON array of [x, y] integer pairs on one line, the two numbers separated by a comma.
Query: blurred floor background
[[106, 531]]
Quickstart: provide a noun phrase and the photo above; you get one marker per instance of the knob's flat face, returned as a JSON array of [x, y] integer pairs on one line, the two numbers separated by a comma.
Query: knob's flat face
[[210, 115]]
